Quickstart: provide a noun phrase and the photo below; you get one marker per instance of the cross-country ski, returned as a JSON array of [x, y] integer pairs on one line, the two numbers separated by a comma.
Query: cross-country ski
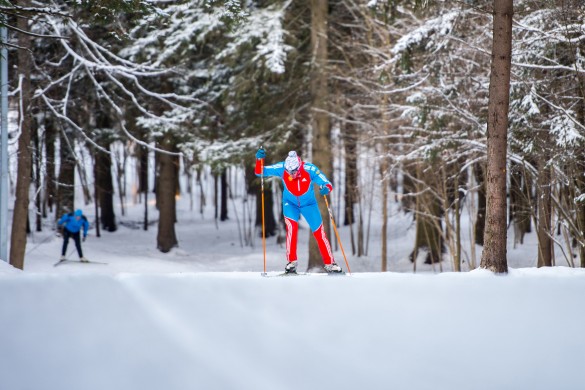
[[67, 261]]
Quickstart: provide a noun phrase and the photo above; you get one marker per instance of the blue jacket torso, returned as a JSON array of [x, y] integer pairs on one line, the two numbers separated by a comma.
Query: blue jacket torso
[[73, 224], [298, 190]]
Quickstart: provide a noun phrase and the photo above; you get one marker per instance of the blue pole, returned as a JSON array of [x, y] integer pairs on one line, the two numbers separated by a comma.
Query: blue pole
[[4, 142]]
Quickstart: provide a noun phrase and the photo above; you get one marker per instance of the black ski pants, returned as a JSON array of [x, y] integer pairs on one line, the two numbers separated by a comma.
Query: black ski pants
[[76, 237]]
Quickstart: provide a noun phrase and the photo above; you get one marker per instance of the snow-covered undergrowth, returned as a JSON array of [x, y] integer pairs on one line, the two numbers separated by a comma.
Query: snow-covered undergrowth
[[240, 330]]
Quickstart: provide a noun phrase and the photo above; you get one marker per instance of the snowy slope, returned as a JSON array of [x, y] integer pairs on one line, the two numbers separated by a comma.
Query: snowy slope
[[244, 331], [202, 316]]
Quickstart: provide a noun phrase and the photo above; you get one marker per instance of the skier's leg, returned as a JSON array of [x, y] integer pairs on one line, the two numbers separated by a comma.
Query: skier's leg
[[77, 238], [65, 242], [313, 216], [324, 246], [292, 228], [291, 217]]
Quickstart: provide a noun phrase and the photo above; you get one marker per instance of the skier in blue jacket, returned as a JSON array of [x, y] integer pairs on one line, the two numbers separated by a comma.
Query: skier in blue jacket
[[72, 224], [299, 199]]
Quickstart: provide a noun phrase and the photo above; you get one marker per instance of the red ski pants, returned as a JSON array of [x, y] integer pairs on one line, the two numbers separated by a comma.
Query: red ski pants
[[292, 228]]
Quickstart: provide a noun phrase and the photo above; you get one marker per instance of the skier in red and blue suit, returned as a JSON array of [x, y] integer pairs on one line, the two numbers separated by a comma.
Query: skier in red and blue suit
[[299, 199]]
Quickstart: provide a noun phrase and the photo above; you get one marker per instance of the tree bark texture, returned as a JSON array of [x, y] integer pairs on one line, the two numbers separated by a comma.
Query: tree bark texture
[[351, 173], [156, 178], [429, 233], [385, 186], [142, 169], [544, 220], [97, 198], [166, 237], [581, 223], [223, 215], [579, 234], [408, 201], [479, 229], [104, 179], [520, 210], [215, 196], [494, 255], [455, 185], [66, 181], [321, 142], [580, 184], [143, 182], [37, 176], [50, 137], [23, 175]]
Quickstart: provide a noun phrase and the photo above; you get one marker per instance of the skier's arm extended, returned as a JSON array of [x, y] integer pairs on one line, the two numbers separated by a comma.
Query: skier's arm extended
[[319, 178], [266, 171], [63, 220]]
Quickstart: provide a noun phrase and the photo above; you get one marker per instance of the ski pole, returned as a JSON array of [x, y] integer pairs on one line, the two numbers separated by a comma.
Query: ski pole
[[263, 228], [336, 233]]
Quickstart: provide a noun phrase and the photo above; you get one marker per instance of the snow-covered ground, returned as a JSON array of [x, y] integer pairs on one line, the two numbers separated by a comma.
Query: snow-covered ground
[[202, 317], [242, 331]]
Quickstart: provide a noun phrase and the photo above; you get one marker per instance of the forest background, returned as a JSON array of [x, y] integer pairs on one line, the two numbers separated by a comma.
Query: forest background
[[389, 99]]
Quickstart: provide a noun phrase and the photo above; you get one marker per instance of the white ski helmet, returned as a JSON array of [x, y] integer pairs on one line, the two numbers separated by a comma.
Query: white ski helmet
[[292, 162]]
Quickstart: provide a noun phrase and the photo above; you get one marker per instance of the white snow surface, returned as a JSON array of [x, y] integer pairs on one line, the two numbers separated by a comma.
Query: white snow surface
[[203, 317], [244, 331]]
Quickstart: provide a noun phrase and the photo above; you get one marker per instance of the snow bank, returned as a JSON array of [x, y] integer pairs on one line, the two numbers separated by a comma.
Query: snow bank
[[6, 268], [243, 331]]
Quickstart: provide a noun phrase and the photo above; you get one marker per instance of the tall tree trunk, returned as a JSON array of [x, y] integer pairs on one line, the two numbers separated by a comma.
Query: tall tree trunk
[[37, 176], [224, 196], [215, 196], [429, 233], [320, 119], [520, 210], [385, 185], [143, 181], [494, 250], [408, 201], [188, 171], [544, 203], [351, 173], [580, 181], [121, 177], [479, 228], [166, 236], [83, 177], [23, 176], [458, 232], [202, 199], [580, 218], [177, 165], [96, 189], [385, 182], [454, 183], [66, 181], [50, 138], [156, 178], [360, 231], [106, 189], [142, 169]]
